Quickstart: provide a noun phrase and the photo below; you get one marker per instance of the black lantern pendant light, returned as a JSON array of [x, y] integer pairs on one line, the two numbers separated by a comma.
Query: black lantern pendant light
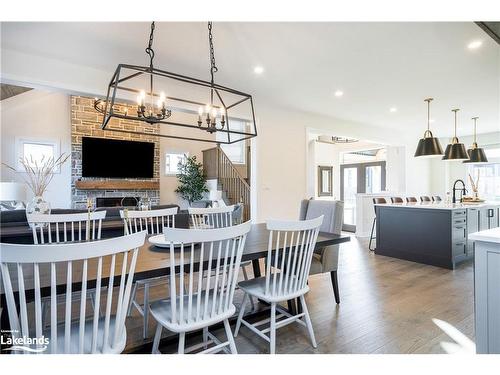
[[194, 105], [428, 146], [476, 154], [455, 150]]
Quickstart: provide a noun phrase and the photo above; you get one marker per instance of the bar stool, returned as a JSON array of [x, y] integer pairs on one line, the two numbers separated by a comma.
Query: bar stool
[[396, 200], [411, 200], [425, 198], [436, 198], [375, 201]]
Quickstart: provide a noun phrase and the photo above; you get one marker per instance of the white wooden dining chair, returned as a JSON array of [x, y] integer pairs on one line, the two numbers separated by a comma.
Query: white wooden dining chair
[[287, 270], [33, 269], [201, 304], [152, 221], [62, 228], [211, 217], [217, 217]]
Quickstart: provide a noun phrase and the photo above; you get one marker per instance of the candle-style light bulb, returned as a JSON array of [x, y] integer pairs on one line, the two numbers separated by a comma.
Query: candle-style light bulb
[[161, 101], [214, 113], [207, 108], [200, 113]]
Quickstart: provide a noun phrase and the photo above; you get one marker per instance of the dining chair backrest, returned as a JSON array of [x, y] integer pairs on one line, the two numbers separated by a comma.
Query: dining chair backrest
[[58, 228], [152, 221], [195, 252], [411, 199], [289, 255], [425, 198], [436, 198], [396, 200], [211, 217], [378, 200], [29, 269]]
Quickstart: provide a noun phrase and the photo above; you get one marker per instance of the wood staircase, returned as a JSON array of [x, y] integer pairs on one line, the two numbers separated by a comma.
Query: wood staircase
[[216, 165]]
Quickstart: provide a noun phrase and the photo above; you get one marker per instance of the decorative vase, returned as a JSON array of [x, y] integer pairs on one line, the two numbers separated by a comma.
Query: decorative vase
[[38, 205]]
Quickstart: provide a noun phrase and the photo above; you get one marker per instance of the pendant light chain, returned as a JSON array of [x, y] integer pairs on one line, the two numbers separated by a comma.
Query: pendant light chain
[[149, 48], [213, 67]]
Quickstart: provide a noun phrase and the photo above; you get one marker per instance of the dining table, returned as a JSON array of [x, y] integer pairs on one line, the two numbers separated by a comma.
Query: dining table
[[154, 261]]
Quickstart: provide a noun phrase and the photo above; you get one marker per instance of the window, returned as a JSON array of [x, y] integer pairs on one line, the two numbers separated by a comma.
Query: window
[[34, 151], [236, 152], [489, 175], [172, 161]]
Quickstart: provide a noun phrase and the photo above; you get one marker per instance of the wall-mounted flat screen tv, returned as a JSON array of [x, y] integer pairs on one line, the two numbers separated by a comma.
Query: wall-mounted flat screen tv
[[112, 158]]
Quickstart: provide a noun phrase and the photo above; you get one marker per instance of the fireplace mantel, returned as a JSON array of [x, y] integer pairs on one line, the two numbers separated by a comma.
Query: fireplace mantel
[[116, 185]]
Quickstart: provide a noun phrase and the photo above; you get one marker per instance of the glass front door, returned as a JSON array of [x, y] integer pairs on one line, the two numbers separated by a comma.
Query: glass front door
[[355, 179]]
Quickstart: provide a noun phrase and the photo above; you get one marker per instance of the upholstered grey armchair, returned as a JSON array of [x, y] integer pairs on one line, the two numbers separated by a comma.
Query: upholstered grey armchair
[[325, 259]]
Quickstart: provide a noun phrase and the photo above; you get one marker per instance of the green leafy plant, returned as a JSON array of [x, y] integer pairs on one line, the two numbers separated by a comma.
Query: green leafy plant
[[192, 184]]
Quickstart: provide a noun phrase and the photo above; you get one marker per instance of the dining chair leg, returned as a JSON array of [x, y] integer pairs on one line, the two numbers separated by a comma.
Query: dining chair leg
[[146, 311], [230, 337], [272, 331], [240, 315], [371, 235], [182, 338], [156, 341], [205, 337], [245, 277], [308, 321], [132, 299], [335, 284]]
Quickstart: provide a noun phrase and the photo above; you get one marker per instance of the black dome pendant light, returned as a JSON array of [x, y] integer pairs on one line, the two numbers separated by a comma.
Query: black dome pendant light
[[455, 150], [476, 154], [428, 146]]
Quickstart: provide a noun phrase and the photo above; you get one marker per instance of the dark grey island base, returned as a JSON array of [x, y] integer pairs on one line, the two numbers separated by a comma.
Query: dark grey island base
[[425, 235]]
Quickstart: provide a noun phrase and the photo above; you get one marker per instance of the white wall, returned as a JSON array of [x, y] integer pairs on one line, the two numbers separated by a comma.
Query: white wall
[[282, 163], [44, 116]]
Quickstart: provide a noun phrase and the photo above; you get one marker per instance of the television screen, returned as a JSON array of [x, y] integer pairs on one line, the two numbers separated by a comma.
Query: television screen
[[117, 159]]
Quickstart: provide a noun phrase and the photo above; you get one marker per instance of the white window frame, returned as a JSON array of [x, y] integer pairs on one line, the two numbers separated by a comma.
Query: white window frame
[[172, 152], [21, 141]]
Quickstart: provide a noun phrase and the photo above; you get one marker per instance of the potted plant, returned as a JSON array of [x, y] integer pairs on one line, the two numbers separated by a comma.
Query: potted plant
[[38, 176], [192, 183]]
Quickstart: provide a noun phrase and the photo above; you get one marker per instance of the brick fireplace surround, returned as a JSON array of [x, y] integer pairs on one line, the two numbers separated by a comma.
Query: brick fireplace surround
[[86, 122]]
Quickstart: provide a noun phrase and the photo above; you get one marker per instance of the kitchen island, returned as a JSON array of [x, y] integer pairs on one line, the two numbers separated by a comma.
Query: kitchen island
[[432, 233]]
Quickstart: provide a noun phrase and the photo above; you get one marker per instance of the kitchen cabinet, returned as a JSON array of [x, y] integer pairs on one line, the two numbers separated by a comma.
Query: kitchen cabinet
[[488, 218], [472, 227]]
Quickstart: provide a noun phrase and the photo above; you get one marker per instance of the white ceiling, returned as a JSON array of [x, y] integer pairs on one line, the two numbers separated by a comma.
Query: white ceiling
[[376, 65]]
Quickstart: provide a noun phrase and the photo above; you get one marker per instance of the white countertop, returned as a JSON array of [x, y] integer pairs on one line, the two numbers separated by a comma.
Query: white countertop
[[490, 235], [440, 206]]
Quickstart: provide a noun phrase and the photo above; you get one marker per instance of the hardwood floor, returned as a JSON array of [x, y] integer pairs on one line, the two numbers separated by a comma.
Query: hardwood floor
[[387, 306]]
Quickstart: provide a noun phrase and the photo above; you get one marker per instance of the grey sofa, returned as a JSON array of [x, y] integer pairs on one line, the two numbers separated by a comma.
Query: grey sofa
[[325, 259]]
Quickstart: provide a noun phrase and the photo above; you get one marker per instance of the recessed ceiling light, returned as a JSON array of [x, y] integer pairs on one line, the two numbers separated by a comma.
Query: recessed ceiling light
[[475, 44], [339, 93], [258, 69], [393, 109]]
